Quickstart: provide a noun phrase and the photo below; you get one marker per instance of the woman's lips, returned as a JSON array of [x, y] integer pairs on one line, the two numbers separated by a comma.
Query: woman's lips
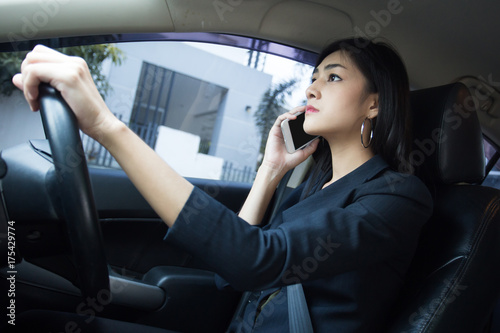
[[311, 109]]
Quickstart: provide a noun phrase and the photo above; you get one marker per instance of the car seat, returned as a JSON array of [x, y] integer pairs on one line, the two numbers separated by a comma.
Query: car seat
[[452, 284]]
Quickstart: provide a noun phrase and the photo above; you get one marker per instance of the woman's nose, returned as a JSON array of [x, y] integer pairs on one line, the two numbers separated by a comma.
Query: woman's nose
[[312, 91]]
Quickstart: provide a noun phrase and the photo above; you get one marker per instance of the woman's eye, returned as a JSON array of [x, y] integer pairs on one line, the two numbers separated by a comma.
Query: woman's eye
[[312, 80], [334, 77]]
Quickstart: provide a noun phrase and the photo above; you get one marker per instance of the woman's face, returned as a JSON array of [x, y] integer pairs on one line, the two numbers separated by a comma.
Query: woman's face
[[337, 100]]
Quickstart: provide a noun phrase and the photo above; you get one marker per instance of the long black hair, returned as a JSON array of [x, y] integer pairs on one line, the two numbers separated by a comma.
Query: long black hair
[[386, 75]]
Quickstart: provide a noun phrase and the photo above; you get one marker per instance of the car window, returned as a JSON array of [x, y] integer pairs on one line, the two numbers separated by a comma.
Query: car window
[[493, 165], [205, 108]]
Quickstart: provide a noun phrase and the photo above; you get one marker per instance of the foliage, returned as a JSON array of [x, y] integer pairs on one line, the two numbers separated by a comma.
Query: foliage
[[271, 106], [94, 55], [10, 64]]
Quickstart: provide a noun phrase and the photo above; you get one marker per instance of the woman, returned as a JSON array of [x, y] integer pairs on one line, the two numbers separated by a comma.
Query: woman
[[347, 234]]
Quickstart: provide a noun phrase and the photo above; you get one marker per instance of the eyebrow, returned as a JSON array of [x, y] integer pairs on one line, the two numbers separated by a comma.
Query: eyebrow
[[329, 66]]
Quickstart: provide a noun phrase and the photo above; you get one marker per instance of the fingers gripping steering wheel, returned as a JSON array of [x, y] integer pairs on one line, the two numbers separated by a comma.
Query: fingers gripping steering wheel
[[75, 193]]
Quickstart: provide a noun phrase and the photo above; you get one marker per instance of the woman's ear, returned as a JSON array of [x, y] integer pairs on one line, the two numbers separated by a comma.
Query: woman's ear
[[373, 111]]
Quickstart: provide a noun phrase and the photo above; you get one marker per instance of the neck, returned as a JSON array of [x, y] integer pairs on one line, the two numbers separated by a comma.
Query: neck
[[346, 158]]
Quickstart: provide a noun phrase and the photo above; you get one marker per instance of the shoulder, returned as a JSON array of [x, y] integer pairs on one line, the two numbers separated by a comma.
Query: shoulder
[[377, 177], [392, 181], [392, 185]]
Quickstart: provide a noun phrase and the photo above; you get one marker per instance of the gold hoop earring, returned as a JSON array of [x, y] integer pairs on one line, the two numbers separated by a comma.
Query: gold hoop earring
[[371, 132]]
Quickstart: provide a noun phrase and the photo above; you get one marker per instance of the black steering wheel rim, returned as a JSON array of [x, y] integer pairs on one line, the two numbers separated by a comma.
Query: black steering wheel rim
[[76, 200]]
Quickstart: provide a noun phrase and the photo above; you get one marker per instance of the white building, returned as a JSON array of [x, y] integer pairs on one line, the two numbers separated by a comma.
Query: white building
[[174, 85]]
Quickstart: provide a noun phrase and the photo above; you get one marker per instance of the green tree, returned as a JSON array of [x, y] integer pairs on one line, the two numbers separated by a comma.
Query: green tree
[[271, 106], [94, 55]]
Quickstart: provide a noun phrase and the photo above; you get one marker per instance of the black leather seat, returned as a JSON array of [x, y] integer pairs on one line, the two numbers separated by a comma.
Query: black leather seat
[[453, 282]]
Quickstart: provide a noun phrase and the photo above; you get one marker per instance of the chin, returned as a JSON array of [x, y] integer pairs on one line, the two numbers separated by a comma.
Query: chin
[[308, 127], [311, 129]]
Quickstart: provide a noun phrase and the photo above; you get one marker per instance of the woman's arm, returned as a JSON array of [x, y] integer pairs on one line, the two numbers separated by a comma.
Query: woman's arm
[[333, 233], [260, 195], [275, 164], [164, 189]]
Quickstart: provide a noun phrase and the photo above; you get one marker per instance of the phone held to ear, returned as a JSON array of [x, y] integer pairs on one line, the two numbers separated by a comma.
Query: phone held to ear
[[294, 135]]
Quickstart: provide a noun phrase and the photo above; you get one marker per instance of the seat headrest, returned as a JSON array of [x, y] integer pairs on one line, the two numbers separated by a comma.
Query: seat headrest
[[448, 143]]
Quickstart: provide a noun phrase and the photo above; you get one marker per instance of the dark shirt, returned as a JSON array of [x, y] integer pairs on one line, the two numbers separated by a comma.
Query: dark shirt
[[349, 245]]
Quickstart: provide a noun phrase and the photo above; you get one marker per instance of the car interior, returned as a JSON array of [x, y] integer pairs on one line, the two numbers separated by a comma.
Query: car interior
[[83, 247]]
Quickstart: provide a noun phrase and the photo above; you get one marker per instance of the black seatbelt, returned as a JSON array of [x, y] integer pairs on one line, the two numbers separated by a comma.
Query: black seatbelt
[[278, 198], [297, 306], [299, 320]]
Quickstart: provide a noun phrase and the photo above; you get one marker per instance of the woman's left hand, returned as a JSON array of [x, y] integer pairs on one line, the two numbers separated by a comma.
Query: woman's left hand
[[70, 76]]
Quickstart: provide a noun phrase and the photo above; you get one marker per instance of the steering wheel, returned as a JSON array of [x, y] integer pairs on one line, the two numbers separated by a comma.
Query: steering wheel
[[75, 192]]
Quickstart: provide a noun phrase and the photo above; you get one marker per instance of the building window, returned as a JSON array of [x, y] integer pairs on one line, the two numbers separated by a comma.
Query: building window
[[195, 105]]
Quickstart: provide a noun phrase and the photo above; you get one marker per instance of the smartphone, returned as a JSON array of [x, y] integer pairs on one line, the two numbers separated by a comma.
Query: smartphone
[[294, 135]]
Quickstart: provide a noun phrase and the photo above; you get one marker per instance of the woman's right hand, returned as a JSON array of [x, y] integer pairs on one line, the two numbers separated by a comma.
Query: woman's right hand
[[276, 156], [72, 78]]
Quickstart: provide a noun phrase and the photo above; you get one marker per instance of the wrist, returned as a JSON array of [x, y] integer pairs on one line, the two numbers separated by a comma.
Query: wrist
[[271, 173], [108, 130]]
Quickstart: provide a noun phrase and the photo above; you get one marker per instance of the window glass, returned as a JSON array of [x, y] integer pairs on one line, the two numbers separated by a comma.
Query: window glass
[[194, 104], [493, 177], [202, 107], [205, 108]]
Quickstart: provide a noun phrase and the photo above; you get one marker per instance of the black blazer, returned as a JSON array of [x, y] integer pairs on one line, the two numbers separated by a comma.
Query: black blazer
[[349, 244]]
